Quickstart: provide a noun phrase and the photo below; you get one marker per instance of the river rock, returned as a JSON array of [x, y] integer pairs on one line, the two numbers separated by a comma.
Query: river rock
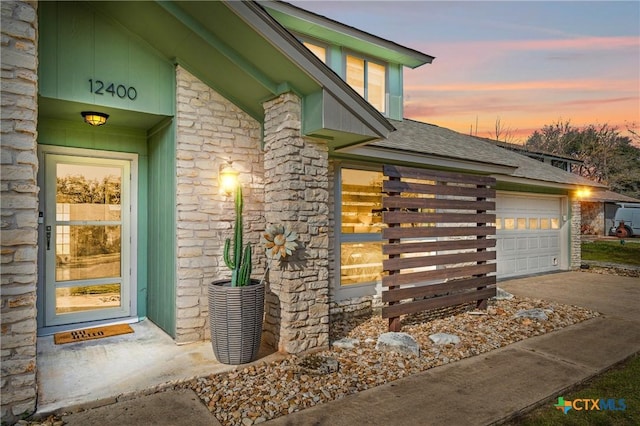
[[398, 342], [444, 339]]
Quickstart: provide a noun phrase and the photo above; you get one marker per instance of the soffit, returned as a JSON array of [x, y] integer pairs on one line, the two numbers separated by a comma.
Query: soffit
[[212, 42], [245, 56]]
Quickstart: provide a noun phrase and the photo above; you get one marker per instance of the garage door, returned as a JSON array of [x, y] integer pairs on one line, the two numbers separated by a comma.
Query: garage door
[[528, 234]]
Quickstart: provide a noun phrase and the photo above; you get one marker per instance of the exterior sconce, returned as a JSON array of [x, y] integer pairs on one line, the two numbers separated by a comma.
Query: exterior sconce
[[94, 118], [583, 193], [228, 178]]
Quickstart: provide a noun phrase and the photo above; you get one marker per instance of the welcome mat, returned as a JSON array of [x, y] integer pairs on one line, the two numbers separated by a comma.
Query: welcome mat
[[91, 333]]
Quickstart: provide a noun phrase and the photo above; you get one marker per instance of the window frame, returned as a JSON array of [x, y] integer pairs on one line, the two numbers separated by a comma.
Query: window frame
[[367, 59], [343, 292], [305, 39]]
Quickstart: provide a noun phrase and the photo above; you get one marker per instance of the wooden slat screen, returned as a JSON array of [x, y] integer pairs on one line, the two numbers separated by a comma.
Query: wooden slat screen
[[440, 229]]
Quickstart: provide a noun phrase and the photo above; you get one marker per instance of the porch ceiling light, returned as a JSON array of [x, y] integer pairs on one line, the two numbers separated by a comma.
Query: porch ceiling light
[[228, 178], [94, 118]]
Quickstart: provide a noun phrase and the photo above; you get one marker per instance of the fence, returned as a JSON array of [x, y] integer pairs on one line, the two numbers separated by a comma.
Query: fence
[[439, 233]]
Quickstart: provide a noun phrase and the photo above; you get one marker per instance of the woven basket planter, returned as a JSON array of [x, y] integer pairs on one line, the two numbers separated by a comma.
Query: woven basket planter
[[235, 319]]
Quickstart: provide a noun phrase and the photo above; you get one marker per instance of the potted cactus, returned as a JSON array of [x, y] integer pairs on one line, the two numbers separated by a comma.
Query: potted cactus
[[236, 305]]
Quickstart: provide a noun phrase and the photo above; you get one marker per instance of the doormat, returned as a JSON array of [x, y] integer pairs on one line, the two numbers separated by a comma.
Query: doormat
[[91, 333]]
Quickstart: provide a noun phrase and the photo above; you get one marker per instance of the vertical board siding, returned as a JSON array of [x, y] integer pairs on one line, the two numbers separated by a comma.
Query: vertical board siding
[[161, 295], [440, 238]]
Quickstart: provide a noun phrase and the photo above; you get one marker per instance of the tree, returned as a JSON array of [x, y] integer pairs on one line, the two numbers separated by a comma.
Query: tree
[[502, 133], [607, 156]]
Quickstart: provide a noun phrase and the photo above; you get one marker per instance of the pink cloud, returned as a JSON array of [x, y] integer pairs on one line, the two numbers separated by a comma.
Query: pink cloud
[[471, 86]]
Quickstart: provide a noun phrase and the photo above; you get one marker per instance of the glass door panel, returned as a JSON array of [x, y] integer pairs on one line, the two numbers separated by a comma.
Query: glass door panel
[[86, 259]]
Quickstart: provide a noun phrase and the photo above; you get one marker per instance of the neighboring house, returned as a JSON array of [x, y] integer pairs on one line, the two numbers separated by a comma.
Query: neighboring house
[[125, 221], [563, 162], [599, 210]]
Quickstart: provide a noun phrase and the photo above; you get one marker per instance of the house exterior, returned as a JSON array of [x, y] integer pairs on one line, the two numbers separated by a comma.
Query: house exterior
[[599, 211], [125, 221]]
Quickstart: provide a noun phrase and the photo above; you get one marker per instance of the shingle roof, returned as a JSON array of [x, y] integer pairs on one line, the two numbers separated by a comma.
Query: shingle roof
[[610, 196], [424, 138]]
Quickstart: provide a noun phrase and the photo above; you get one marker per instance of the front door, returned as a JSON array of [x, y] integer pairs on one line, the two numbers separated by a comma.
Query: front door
[[87, 239]]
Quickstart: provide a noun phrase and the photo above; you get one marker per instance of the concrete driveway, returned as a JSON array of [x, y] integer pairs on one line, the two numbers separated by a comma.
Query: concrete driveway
[[608, 294]]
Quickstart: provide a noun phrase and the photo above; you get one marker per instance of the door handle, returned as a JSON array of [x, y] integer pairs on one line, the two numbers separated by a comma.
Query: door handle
[[48, 237]]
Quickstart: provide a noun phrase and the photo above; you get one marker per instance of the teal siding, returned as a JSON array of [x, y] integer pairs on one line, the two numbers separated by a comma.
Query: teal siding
[[78, 45], [162, 223]]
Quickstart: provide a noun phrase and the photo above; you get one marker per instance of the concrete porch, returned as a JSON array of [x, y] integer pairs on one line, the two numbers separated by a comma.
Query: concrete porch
[[98, 372]]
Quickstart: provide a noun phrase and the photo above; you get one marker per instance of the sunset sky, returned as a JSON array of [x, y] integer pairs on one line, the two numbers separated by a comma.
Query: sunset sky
[[528, 63]]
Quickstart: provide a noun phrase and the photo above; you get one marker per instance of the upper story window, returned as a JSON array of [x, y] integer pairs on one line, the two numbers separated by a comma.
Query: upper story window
[[319, 51], [369, 79]]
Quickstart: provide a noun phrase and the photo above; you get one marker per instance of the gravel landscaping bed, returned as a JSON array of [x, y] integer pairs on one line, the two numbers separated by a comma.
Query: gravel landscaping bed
[[254, 394]]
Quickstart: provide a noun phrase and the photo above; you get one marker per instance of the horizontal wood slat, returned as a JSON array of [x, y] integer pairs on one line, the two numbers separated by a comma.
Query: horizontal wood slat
[[398, 294], [439, 260], [440, 231], [396, 310], [413, 217], [439, 245], [394, 186], [413, 173], [436, 274], [436, 203]]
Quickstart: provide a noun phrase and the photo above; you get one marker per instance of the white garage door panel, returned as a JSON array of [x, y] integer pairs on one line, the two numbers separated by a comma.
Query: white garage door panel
[[528, 235]]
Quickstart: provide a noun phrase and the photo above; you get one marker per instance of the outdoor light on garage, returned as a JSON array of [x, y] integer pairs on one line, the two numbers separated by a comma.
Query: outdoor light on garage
[[583, 193], [228, 178]]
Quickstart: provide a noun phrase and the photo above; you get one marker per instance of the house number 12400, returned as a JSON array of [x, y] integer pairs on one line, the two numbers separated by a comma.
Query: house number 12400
[[100, 88]]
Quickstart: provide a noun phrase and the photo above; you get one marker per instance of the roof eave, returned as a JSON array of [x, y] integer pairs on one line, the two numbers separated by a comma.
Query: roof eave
[[260, 20], [410, 57]]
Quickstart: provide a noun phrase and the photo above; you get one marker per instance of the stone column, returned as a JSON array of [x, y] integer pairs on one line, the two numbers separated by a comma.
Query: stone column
[[19, 223], [296, 194], [576, 237]]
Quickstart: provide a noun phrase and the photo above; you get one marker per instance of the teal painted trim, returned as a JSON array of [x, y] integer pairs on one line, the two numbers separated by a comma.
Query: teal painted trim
[[395, 92], [222, 47], [336, 60], [234, 100]]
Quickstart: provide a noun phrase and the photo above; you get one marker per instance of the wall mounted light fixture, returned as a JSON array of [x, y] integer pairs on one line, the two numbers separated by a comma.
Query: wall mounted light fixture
[[583, 193], [94, 118], [228, 178]]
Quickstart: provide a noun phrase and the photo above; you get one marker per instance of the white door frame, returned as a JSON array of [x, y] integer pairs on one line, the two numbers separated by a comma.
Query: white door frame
[[47, 321]]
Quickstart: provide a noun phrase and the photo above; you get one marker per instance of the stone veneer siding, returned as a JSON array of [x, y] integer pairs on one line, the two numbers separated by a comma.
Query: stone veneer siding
[[19, 253], [575, 237], [211, 131], [592, 214], [296, 186]]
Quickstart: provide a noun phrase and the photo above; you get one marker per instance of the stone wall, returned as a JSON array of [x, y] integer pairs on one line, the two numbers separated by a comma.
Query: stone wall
[[19, 208], [296, 184], [210, 132], [576, 240], [592, 222]]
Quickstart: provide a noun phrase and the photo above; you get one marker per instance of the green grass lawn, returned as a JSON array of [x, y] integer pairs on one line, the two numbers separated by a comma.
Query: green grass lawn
[[622, 382], [612, 251]]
